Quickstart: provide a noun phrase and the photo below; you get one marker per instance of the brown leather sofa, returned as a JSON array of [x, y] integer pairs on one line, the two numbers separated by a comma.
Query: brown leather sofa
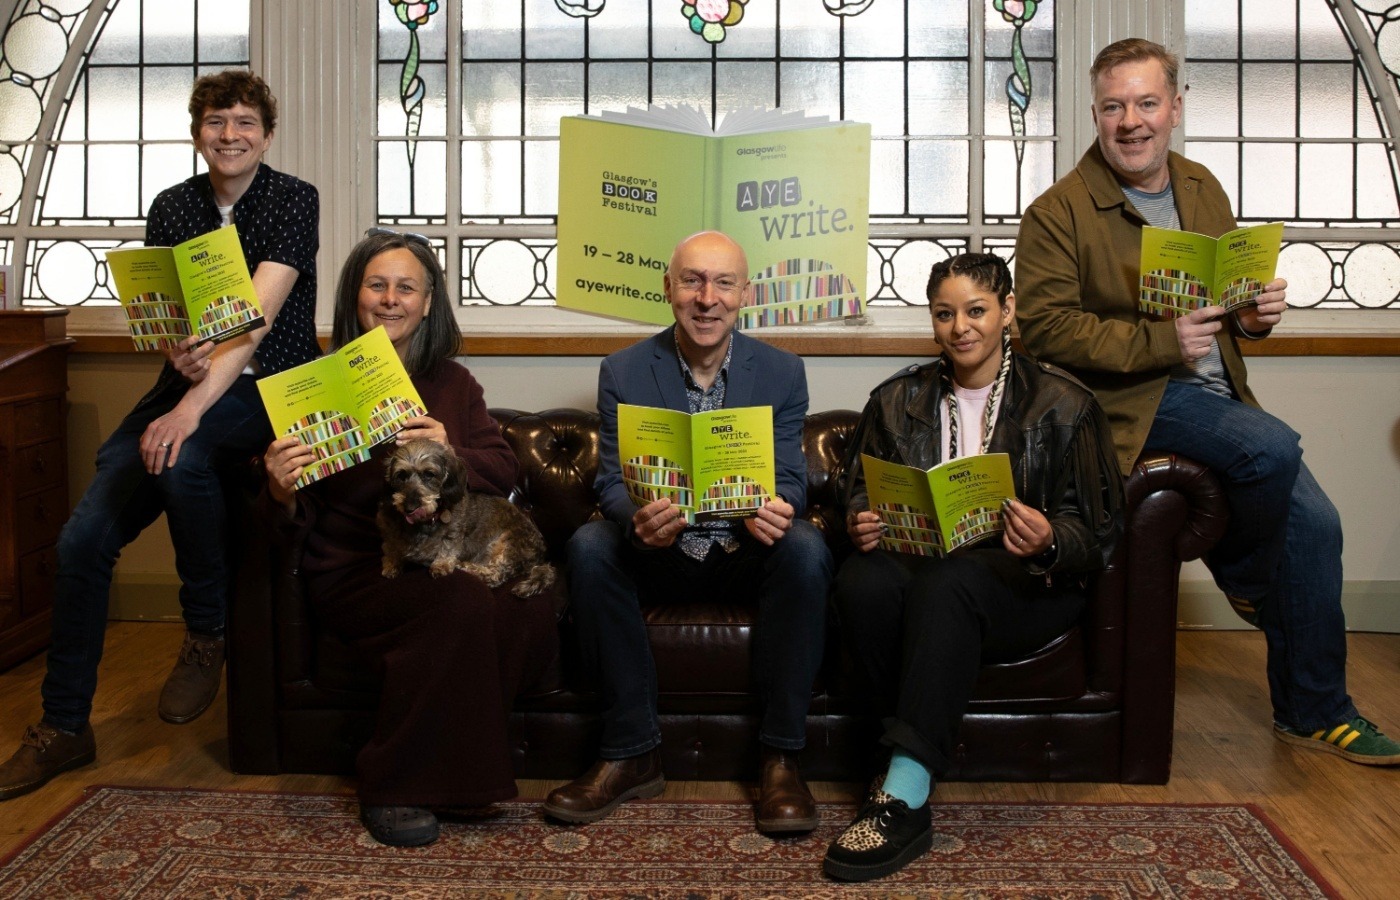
[[1096, 704]]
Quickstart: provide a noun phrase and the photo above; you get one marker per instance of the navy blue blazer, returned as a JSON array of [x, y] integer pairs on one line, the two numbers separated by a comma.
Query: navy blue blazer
[[648, 374]]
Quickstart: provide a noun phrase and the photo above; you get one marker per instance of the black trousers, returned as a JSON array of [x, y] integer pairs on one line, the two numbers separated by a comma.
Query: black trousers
[[920, 628]]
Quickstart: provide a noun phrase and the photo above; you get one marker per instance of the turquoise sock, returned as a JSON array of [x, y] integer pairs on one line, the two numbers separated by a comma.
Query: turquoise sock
[[908, 780]]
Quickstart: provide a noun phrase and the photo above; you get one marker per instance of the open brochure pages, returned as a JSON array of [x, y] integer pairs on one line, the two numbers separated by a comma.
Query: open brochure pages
[[934, 512], [199, 287], [342, 404], [712, 465], [1182, 271], [792, 189]]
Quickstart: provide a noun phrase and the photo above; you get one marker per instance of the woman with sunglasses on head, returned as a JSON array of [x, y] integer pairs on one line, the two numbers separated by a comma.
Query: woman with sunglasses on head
[[920, 628], [452, 653]]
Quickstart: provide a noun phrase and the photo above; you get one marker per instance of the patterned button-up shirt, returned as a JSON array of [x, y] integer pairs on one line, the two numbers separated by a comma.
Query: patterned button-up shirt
[[278, 220], [696, 540]]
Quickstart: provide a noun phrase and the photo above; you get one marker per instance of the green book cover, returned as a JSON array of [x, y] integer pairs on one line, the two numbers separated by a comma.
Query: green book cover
[[1181, 271], [199, 287], [934, 512], [342, 404], [794, 191], [712, 465]]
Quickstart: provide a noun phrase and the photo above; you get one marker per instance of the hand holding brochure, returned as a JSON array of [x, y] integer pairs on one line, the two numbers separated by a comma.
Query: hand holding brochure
[[1181, 271], [934, 512], [342, 404], [199, 287], [792, 189], [712, 465]]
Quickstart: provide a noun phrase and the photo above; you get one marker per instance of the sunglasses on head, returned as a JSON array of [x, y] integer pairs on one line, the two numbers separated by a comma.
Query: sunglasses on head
[[410, 235]]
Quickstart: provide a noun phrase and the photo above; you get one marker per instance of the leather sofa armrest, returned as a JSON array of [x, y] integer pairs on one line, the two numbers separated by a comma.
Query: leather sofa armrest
[[1176, 512]]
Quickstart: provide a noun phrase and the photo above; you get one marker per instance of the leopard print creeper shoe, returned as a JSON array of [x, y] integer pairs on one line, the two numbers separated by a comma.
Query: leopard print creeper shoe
[[885, 836]]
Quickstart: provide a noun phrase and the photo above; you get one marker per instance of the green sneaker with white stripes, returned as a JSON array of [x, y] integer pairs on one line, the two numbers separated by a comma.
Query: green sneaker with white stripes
[[1358, 740]]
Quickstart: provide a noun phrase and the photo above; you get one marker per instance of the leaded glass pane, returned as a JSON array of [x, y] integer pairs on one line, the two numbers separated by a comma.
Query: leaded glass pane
[[938, 98], [542, 187], [938, 179], [506, 272], [1319, 37], [1327, 107], [490, 99], [616, 86], [1268, 29], [807, 30], [1331, 198], [1213, 100], [1270, 174], [1375, 185], [814, 86], [549, 35], [938, 28], [878, 32], [1000, 111], [111, 191], [1014, 174], [1270, 95], [410, 180], [491, 178], [874, 93], [1212, 30], [743, 84], [755, 37], [551, 92]]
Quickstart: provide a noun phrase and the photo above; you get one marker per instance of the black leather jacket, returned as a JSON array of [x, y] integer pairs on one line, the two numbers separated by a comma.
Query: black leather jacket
[[1054, 431]]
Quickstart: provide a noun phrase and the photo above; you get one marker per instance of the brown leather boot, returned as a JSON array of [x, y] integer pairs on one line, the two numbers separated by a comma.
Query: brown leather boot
[[44, 752], [194, 682], [784, 803], [597, 792]]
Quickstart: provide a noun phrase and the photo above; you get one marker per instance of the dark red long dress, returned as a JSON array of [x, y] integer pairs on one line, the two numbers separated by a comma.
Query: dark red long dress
[[453, 653]]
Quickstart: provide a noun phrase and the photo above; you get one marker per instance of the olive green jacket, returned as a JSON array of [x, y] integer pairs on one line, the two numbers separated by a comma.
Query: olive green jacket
[[1077, 287]]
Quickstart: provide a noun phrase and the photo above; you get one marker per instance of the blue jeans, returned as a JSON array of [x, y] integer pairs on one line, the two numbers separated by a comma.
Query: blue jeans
[[121, 501], [608, 579], [1283, 549]]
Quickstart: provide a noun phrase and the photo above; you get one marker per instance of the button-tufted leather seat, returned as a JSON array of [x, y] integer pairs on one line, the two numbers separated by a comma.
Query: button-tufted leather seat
[[1096, 704]]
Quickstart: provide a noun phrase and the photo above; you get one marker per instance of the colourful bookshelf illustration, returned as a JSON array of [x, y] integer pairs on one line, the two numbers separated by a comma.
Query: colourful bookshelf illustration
[[934, 511], [1181, 271], [798, 291]]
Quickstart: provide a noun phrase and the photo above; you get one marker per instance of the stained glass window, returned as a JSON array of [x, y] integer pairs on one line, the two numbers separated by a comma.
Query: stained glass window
[[1299, 127], [117, 133], [956, 92]]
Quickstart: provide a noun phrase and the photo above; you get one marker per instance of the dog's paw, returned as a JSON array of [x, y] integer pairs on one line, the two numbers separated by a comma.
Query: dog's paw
[[441, 567], [492, 575], [540, 579], [391, 570]]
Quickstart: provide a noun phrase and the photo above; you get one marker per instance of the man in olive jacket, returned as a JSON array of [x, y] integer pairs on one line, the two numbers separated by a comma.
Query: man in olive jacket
[[1179, 385]]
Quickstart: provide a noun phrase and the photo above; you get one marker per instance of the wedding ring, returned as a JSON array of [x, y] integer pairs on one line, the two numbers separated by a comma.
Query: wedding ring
[[166, 444]]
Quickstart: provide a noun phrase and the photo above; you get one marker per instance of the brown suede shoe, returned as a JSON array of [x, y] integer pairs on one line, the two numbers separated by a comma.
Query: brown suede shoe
[[44, 752], [597, 792], [194, 682], [784, 803]]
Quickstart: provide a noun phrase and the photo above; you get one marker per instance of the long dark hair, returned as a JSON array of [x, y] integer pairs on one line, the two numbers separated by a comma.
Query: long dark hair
[[438, 336]]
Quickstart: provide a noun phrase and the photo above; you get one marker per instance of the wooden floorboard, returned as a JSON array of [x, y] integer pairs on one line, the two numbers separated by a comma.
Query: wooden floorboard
[[1343, 816]]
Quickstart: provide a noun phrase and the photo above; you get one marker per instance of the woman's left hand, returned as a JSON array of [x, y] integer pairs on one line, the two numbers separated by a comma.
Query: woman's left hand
[[1027, 531], [422, 427]]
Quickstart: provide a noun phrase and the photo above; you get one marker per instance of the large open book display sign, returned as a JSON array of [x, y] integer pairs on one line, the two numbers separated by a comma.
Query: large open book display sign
[[792, 189]]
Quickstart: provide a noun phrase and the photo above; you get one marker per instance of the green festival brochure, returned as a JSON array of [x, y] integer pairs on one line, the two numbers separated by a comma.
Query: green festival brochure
[[792, 189], [1181, 271], [199, 287], [343, 404], [935, 511], [712, 465]]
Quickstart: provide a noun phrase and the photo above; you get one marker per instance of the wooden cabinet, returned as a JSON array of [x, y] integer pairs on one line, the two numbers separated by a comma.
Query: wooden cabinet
[[33, 474]]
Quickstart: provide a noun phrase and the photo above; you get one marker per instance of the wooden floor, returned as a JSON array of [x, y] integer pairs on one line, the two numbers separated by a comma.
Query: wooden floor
[[1345, 817]]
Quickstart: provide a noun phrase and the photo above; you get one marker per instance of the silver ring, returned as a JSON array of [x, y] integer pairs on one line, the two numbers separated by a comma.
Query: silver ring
[[166, 445]]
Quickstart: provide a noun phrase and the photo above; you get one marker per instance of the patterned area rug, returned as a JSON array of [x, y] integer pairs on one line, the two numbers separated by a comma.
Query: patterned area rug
[[128, 842]]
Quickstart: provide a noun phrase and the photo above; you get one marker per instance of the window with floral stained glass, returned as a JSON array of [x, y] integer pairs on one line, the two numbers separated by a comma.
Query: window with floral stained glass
[[93, 124], [1294, 107], [960, 96]]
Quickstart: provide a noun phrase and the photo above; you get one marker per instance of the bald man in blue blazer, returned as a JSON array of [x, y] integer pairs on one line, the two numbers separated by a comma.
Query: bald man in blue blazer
[[699, 364]]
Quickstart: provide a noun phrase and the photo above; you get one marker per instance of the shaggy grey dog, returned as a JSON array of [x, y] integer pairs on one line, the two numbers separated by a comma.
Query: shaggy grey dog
[[428, 516]]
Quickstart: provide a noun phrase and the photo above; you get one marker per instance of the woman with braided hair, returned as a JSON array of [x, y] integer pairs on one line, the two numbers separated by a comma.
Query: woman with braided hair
[[919, 628]]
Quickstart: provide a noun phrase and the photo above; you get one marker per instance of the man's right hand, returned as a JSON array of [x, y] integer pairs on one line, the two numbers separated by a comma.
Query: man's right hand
[[1196, 332], [658, 524]]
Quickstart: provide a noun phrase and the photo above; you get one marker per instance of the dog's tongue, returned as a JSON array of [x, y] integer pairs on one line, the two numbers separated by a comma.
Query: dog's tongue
[[418, 515]]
